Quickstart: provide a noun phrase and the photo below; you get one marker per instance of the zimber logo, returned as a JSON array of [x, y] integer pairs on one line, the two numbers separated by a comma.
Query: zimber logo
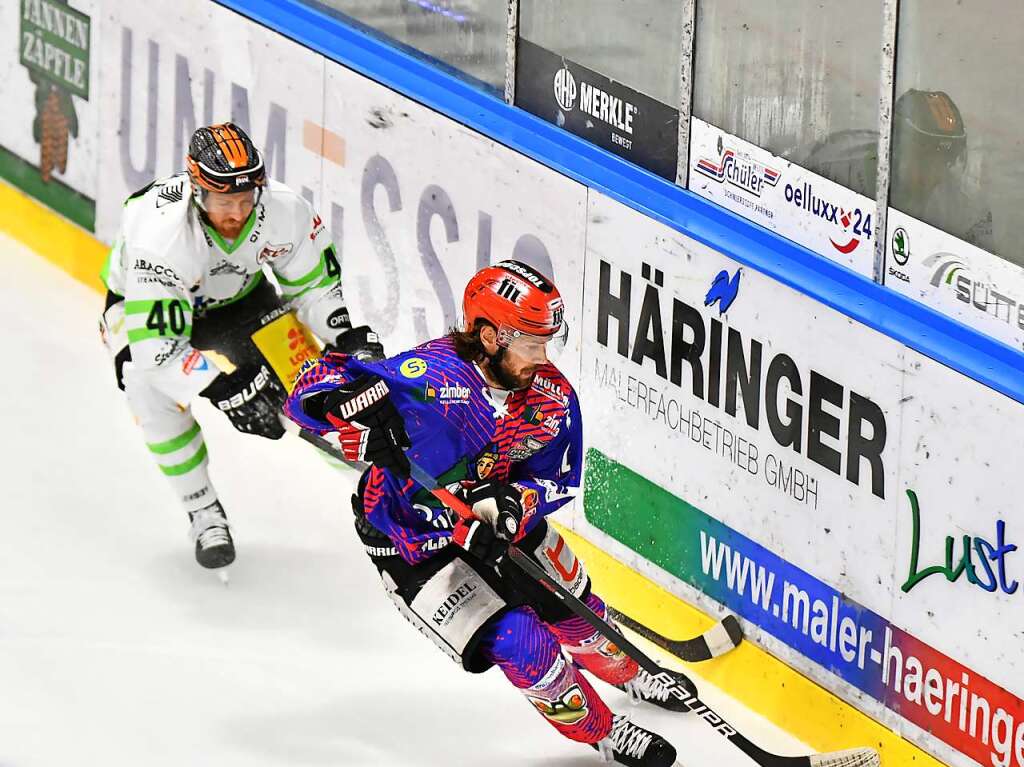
[[453, 394]]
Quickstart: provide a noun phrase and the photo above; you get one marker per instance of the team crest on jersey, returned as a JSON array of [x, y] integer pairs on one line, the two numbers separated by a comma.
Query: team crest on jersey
[[271, 251], [525, 449], [485, 464], [569, 708]]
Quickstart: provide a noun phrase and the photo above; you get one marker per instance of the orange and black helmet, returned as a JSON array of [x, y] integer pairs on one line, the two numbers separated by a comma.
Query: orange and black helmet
[[928, 124], [222, 158], [515, 297]]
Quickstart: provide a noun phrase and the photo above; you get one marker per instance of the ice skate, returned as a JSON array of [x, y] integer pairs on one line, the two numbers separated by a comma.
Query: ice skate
[[214, 546], [632, 745]]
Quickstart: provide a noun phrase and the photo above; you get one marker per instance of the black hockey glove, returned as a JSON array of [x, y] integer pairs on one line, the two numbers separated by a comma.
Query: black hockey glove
[[369, 426], [361, 343], [505, 507], [252, 398], [478, 539]]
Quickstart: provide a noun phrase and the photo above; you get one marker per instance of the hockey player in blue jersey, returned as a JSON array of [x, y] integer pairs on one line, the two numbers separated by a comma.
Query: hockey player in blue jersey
[[484, 411]]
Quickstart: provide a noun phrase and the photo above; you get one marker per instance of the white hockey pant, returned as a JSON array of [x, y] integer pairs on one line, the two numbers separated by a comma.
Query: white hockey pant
[[172, 435]]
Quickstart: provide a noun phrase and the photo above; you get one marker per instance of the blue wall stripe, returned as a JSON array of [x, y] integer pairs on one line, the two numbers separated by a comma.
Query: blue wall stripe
[[917, 326]]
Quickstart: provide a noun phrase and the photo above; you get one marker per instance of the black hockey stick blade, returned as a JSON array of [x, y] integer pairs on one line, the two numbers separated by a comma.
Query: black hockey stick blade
[[717, 640]]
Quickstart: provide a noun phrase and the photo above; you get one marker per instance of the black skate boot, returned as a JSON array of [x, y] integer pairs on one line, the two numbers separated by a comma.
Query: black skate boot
[[633, 746], [214, 547], [656, 690]]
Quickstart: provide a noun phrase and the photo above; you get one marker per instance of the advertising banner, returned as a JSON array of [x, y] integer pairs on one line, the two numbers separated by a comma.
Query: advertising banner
[[799, 469], [976, 287], [173, 65], [49, 73], [809, 209], [426, 202], [601, 110]]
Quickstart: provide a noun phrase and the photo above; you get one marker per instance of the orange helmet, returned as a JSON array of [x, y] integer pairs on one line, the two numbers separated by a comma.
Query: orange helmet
[[516, 299]]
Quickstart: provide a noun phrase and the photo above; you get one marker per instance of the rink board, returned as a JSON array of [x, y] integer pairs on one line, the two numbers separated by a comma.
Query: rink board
[[416, 202]]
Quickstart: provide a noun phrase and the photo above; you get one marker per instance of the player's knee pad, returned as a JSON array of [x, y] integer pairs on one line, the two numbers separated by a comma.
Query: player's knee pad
[[449, 601]]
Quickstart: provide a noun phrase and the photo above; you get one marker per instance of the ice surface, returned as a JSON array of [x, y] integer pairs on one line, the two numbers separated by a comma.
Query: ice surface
[[117, 649]]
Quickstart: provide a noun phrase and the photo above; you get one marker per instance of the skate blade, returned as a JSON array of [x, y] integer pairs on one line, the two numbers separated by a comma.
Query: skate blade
[[223, 576]]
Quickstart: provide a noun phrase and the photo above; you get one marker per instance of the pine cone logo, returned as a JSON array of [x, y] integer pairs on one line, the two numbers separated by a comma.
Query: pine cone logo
[[49, 26], [55, 123]]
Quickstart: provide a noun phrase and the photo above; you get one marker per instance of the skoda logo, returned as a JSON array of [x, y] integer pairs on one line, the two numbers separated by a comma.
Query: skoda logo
[[565, 89]]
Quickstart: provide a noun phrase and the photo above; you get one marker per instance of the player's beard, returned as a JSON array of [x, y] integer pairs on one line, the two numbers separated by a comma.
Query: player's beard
[[505, 378]]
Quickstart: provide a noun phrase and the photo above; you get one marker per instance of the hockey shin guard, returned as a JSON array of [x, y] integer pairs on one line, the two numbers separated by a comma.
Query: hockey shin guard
[[529, 655], [592, 651]]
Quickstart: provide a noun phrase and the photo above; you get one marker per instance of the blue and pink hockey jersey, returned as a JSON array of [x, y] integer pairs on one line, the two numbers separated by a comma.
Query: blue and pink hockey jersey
[[461, 432]]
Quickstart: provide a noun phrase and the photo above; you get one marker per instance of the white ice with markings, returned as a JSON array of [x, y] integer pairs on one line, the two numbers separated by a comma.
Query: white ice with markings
[[117, 649]]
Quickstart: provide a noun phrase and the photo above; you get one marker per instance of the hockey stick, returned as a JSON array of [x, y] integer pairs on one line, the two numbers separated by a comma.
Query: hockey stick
[[717, 640], [325, 446], [856, 757]]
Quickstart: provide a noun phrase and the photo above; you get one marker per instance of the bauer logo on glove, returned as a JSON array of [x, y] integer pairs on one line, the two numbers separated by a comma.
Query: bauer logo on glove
[[254, 387]]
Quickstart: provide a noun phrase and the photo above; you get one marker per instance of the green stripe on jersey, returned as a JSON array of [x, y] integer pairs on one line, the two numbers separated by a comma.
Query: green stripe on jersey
[[306, 278], [145, 306], [327, 281]]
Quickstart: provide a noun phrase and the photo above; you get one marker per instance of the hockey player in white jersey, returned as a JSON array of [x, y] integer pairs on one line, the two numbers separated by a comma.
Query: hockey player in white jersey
[[186, 291]]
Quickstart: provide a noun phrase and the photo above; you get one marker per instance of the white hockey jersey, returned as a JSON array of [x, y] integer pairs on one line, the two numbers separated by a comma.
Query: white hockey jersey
[[169, 266]]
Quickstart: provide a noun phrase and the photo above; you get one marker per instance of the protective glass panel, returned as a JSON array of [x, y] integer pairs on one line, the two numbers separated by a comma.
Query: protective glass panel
[[468, 35], [799, 78], [958, 147], [633, 41]]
